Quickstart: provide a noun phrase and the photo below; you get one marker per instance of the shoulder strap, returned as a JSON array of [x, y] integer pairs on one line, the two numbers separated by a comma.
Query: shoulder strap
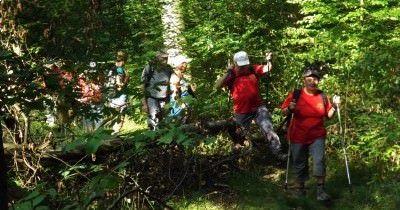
[[296, 95], [150, 74], [324, 98], [252, 69], [297, 92]]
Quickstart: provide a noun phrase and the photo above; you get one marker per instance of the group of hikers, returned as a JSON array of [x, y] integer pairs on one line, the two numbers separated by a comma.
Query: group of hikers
[[307, 109], [86, 93], [164, 82]]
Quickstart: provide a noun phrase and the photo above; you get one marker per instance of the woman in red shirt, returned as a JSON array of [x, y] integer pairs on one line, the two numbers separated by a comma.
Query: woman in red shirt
[[307, 131], [242, 80]]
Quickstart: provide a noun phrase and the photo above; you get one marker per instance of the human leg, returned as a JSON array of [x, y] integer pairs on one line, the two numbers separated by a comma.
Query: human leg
[[317, 151], [243, 124], [300, 164], [263, 120], [300, 161], [120, 104], [153, 109], [99, 117]]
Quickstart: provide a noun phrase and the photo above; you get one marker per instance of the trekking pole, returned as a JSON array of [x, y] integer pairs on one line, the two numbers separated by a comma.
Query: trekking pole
[[267, 81], [341, 131], [289, 149]]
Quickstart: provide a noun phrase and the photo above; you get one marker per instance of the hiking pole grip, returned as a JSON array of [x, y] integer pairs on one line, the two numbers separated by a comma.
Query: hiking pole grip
[[341, 131]]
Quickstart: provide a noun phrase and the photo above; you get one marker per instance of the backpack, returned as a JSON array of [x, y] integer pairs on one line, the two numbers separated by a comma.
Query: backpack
[[232, 71], [111, 87], [151, 70], [296, 96]]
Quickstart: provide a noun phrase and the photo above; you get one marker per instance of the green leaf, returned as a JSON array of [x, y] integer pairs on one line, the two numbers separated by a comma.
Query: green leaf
[[52, 192], [32, 195], [77, 144], [96, 140], [36, 201], [102, 183], [167, 138]]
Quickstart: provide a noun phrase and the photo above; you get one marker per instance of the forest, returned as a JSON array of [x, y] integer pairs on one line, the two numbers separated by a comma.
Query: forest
[[50, 160]]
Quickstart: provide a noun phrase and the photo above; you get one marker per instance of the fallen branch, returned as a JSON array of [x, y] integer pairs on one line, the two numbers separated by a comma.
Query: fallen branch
[[126, 193]]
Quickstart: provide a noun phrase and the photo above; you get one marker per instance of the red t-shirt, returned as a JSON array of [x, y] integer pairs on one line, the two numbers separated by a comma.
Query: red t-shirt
[[245, 90], [308, 123]]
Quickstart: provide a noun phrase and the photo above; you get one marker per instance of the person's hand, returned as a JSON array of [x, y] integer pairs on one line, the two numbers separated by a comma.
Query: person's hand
[[268, 56], [336, 101], [292, 106]]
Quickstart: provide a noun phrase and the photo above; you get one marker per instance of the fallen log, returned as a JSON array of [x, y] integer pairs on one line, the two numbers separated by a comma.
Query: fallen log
[[46, 150]]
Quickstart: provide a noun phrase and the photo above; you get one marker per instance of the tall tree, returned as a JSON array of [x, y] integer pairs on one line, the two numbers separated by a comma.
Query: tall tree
[[172, 22]]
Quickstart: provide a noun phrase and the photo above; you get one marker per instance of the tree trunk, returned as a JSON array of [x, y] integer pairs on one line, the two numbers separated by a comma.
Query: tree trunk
[[3, 175], [172, 23], [362, 10]]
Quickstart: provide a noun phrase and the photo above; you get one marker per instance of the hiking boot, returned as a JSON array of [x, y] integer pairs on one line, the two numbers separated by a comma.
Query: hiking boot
[[321, 194], [299, 189]]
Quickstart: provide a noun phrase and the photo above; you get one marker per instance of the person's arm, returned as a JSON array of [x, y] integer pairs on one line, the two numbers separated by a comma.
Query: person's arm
[[143, 88], [221, 81], [120, 82], [335, 104], [175, 85], [331, 112], [268, 67], [289, 109], [288, 105]]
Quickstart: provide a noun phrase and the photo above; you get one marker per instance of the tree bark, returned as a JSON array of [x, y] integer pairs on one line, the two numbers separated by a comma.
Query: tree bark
[[172, 22]]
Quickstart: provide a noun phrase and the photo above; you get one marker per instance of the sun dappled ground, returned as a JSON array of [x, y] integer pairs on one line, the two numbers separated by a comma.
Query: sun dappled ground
[[262, 187]]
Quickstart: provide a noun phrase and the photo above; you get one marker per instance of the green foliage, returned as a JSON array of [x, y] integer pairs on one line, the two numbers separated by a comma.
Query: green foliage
[[378, 140], [357, 40], [171, 134], [91, 142], [262, 188], [36, 199], [102, 183]]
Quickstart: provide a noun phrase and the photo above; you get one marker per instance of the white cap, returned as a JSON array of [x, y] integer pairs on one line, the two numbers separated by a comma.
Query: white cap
[[178, 60], [241, 58]]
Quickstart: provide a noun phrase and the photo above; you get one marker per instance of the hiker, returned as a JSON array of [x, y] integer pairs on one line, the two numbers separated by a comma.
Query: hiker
[[180, 88], [242, 80], [60, 86], [116, 88], [307, 131], [92, 100], [155, 86]]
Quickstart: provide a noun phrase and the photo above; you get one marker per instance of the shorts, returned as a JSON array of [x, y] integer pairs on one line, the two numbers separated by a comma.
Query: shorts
[[301, 153]]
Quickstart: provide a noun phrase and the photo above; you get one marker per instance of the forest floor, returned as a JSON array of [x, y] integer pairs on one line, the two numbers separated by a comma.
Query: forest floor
[[261, 186]]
